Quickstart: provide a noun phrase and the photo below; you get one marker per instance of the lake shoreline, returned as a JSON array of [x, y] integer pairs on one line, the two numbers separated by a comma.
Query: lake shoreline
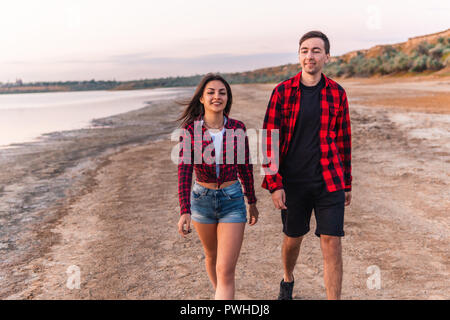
[[44, 174], [117, 219]]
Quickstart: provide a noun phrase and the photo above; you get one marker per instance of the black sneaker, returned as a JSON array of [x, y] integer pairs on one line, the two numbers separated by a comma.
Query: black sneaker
[[286, 290]]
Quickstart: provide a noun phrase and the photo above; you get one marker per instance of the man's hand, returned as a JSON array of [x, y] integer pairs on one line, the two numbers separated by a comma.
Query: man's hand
[[279, 199], [348, 198]]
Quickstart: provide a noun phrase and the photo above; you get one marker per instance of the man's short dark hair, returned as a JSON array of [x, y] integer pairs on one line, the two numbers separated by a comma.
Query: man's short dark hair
[[316, 34]]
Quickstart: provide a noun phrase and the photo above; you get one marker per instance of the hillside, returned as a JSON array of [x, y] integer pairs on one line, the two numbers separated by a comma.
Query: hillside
[[406, 47], [420, 55]]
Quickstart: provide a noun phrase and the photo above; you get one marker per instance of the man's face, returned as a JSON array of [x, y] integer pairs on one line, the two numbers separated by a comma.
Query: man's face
[[312, 55]]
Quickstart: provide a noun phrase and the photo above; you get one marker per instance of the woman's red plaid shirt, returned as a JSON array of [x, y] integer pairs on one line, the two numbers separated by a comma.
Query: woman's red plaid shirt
[[197, 154]]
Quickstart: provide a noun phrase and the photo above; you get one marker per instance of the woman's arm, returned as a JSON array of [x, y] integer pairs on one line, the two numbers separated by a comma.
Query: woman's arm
[[185, 170], [245, 173]]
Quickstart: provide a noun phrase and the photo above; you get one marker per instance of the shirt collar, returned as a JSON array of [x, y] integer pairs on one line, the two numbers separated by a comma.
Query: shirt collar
[[225, 121], [296, 81]]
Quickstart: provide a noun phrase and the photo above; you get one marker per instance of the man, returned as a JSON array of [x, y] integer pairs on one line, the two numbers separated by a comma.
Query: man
[[310, 112]]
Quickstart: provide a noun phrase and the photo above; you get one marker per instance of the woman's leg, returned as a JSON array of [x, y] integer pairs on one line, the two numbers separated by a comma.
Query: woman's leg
[[229, 242], [208, 236]]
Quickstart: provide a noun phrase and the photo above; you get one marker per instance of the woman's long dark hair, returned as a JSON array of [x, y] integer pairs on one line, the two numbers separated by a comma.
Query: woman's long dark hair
[[195, 108]]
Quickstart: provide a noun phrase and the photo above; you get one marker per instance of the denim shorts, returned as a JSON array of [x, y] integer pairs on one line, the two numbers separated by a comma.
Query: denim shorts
[[218, 205]]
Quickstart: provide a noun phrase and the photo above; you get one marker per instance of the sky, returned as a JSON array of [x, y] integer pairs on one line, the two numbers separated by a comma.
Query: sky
[[61, 40]]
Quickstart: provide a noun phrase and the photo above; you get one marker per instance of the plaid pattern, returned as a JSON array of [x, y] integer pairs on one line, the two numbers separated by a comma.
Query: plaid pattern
[[205, 168], [334, 132]]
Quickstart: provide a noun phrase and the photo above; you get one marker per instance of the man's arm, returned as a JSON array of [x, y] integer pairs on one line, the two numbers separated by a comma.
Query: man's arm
[[272, 121], [344, 141]]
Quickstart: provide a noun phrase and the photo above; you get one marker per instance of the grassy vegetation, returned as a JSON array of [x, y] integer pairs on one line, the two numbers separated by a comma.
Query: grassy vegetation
[[426, 57]]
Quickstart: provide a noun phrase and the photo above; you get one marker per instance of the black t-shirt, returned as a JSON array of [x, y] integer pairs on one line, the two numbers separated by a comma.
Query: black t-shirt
[[302, 162]]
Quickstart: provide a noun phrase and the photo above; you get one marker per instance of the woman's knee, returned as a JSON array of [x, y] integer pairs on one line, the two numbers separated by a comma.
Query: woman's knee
[[211, 255], [225, 272]]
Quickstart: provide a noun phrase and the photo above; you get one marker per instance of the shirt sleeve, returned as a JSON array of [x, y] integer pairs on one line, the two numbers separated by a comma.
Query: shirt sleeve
[[185, 170], [344, 141], [272, 121], [245, 173]]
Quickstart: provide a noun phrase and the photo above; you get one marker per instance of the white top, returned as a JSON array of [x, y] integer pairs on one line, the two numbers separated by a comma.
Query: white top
[[217, 138]]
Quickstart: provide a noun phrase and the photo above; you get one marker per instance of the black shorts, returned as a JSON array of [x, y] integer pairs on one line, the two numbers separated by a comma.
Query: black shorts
[[328, 208]]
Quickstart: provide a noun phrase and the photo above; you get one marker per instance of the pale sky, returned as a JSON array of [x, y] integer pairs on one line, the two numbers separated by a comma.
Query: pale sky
[[58, 40]]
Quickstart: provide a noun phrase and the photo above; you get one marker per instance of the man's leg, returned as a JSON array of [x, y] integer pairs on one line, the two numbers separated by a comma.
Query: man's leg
[[290, 252], [295, 220], [332, 265]]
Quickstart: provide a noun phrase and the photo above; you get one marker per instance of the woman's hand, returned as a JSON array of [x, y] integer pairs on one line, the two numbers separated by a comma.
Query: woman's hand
[[254, 213], [185, 219]]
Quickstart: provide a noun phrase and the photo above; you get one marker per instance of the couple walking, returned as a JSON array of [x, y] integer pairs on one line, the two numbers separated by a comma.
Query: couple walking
[[310, 112]]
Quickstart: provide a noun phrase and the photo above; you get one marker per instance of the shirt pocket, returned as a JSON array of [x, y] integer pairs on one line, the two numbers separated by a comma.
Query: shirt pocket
[[333, 115], [333, 110], [286, 113]]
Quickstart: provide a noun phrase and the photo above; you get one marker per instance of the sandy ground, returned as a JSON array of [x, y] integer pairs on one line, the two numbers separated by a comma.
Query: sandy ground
[[115, 218]]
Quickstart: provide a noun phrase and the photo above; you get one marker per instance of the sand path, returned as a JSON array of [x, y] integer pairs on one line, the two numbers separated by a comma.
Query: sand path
[[121, 230]]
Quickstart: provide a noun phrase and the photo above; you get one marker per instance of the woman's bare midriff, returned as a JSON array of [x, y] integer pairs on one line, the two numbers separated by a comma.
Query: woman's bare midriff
[[213, 185]]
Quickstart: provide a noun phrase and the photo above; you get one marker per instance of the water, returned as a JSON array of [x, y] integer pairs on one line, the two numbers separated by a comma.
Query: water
[[25, 117]]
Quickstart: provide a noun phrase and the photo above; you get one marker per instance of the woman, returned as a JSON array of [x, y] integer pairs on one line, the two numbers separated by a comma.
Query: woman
[[216, 204]]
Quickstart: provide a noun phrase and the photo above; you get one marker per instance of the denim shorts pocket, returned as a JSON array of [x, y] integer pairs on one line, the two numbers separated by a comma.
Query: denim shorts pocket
[[234, 193], [196, 195], [198, 191]]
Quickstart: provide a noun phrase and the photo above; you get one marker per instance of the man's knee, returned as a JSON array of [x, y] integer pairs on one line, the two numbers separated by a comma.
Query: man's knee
[[330, 243], [292, 242]]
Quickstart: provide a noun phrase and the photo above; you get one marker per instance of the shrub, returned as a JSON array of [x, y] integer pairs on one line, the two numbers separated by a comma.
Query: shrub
[[389, 52], [419, 64], [436, 52], [422, 48], [434, 64], [401, 62]]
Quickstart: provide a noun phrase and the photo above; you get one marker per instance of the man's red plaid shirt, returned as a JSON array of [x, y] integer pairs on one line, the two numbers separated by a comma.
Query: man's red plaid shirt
[[193, 141], [334, 132]]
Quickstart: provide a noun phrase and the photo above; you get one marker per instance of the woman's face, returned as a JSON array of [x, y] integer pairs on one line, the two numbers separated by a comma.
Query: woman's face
[[214, 96]]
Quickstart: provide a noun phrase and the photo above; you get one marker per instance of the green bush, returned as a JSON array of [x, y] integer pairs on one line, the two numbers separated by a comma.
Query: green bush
[[419, 64], [334, 69], [401, 62], [389, 52], [436, 52], [422, 48], [434, 64]]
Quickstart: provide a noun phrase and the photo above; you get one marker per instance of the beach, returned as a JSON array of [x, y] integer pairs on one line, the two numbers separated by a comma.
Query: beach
[[103, 201]]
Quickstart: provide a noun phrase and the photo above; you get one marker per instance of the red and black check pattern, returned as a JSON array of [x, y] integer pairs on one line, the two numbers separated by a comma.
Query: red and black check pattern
[[334, 132], [205, 171]]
